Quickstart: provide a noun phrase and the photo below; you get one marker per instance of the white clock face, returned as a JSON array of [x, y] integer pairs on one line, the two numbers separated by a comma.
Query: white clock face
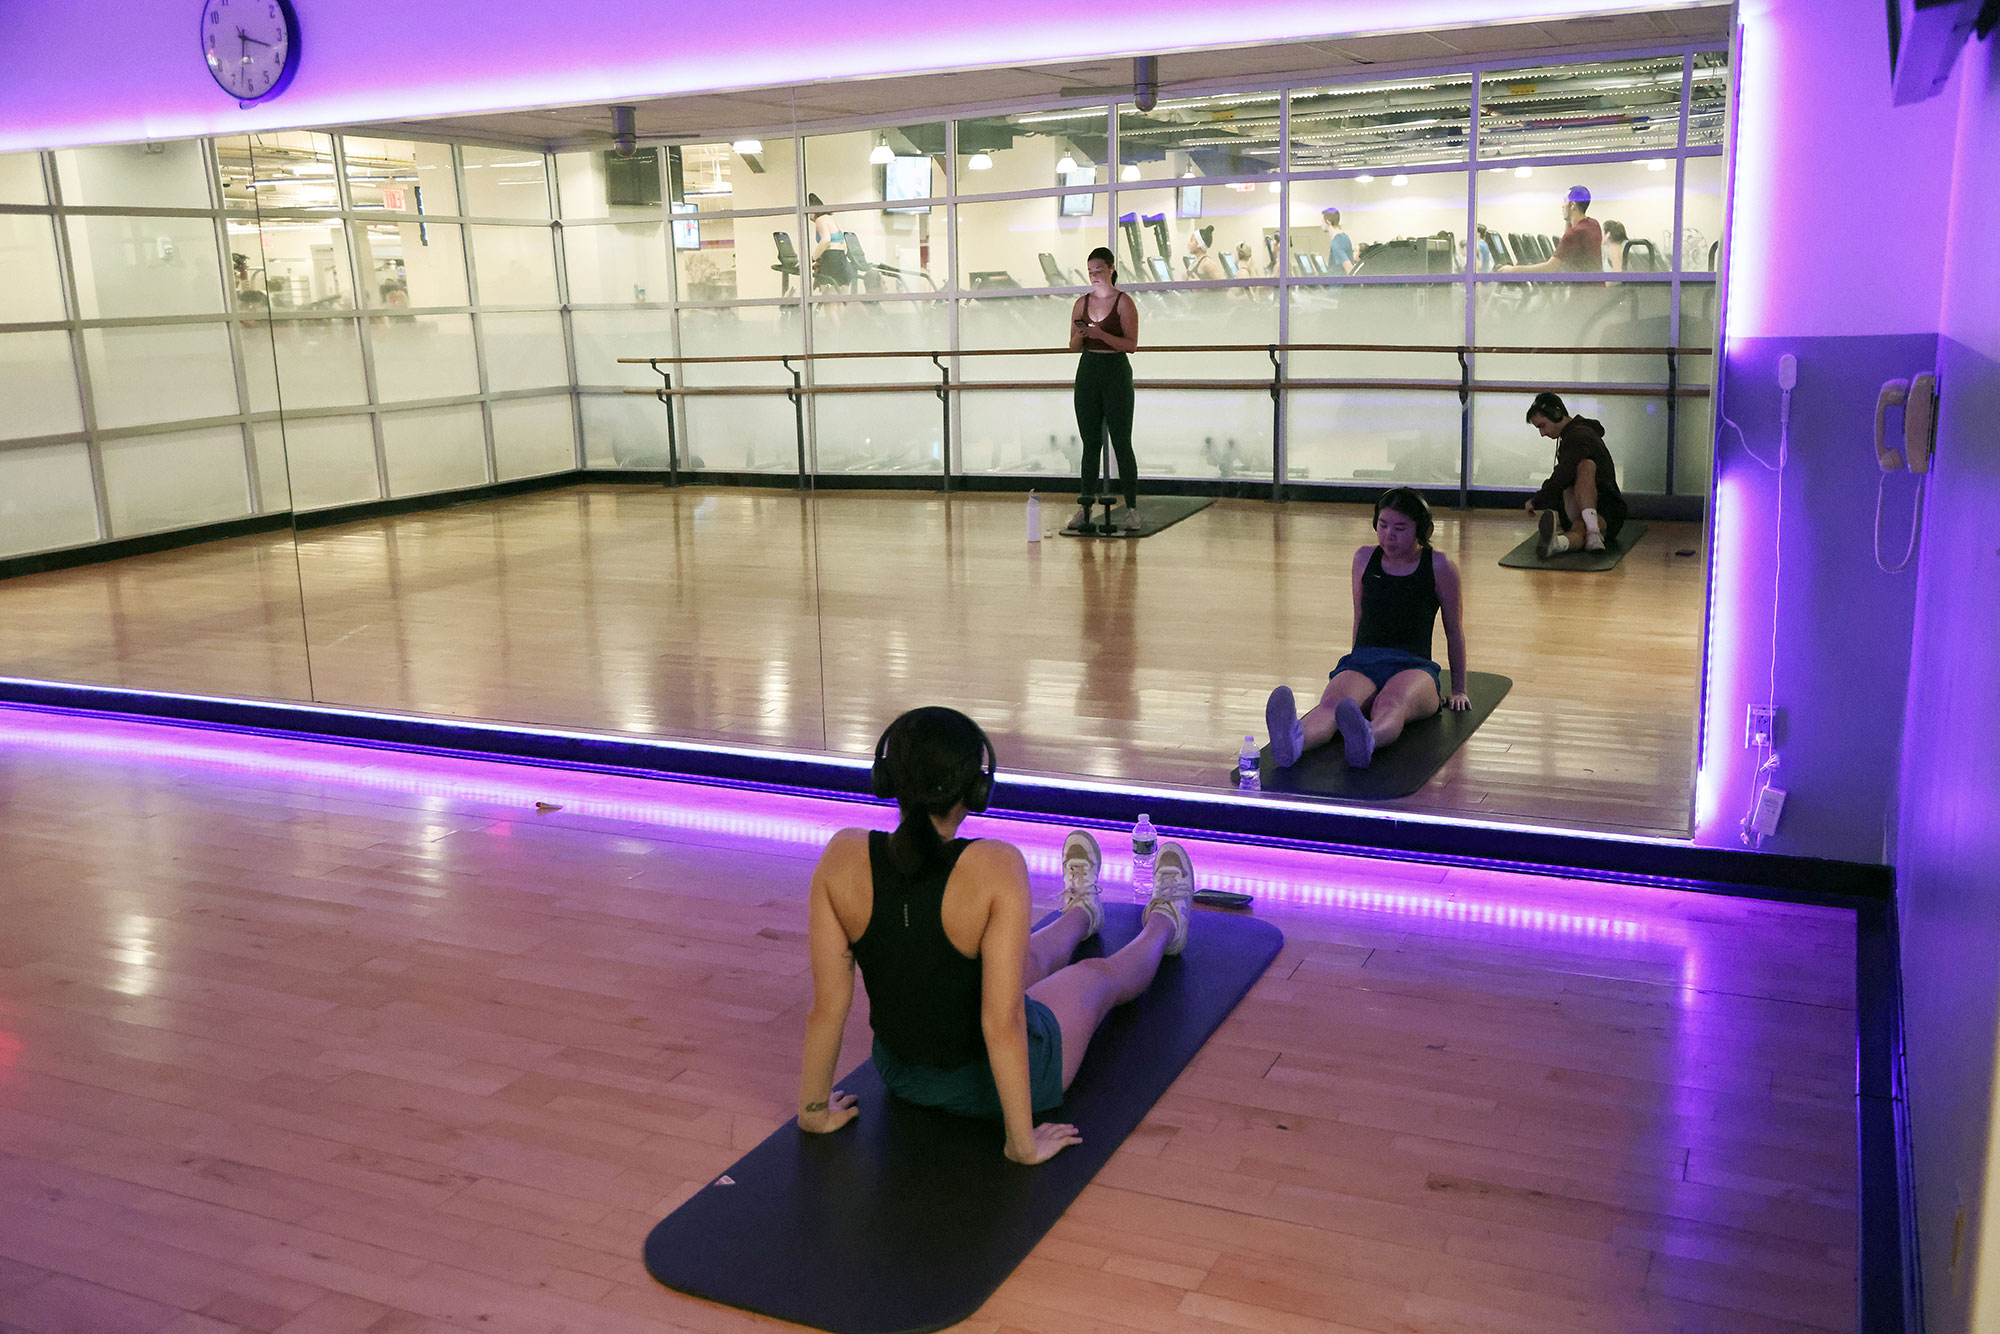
[[250, 45]]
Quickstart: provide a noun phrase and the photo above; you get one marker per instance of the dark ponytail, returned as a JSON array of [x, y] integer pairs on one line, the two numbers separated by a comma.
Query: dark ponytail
[[929, 760]]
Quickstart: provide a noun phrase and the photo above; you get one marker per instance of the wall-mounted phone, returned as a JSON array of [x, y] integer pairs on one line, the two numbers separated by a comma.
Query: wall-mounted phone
[[1917, 397]]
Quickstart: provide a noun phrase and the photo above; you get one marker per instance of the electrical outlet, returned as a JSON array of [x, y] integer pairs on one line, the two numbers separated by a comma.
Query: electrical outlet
[[1760, 727]]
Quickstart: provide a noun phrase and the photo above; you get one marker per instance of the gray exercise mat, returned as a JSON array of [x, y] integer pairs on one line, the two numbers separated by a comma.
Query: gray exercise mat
[[1398, 769], [1155, 513], [1523, 557]]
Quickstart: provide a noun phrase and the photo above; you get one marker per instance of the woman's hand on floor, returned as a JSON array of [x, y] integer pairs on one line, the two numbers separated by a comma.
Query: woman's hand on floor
[[1050, 1139], [1459, 701], [837, 1111]]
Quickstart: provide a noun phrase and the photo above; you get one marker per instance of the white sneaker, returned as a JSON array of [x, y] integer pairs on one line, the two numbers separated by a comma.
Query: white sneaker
[[1593, 541], [1080, 863], [1079, 522], [1173, 890], [1131, 519]]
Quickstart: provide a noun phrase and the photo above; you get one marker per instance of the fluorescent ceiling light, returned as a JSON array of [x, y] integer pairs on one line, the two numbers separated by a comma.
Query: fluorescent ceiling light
[[745, 147]]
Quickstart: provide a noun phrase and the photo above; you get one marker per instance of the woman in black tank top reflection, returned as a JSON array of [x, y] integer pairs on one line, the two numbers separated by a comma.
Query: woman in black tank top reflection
[[1104, 326], [1400, 588], [972, 1013]]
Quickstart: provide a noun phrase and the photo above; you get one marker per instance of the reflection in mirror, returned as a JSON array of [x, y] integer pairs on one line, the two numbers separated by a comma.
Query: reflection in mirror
[[1402, 123], [1608, 106], [1228, 134], [131, 419]]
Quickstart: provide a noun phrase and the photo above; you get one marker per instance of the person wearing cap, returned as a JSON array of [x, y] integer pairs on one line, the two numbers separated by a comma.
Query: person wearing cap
[[1581, 249], [1339, 245]]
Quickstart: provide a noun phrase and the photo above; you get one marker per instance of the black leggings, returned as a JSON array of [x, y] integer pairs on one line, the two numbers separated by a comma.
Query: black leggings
[[1104, 398]]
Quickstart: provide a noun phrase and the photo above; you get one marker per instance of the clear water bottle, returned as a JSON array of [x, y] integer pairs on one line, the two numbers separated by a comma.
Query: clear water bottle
[[1034, 517], [1247, 761], [1145, 851]]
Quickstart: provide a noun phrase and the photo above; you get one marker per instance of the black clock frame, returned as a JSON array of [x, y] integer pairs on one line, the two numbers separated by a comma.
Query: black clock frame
[[284, 79]]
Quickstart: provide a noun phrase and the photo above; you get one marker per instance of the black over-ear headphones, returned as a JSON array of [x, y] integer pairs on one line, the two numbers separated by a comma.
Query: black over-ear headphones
[[975, 789]]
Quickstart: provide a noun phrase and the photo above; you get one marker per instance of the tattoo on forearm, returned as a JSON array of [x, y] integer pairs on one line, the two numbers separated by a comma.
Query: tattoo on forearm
[[815, 1106]]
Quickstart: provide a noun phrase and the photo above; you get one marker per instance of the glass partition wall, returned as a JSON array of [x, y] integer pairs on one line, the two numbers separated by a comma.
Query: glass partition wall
[[349, 332]]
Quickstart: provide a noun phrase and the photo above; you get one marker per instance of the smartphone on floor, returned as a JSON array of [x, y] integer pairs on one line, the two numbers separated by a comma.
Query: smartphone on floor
[[1222, 898]]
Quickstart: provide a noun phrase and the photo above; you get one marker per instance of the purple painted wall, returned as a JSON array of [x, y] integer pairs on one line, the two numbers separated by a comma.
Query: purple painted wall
[[1948, 849], [1837, 258]]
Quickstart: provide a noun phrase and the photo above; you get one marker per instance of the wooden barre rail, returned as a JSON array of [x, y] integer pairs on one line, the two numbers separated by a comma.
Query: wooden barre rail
[[1442, 349]]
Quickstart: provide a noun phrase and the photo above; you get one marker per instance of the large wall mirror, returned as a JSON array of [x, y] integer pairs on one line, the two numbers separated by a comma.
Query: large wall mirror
[[385, 384]]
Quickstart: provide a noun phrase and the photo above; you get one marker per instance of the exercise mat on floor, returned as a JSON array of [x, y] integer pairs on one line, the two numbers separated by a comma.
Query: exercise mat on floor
[[907, 1218], [1155, 513], [1523, 557], [1398, 769]]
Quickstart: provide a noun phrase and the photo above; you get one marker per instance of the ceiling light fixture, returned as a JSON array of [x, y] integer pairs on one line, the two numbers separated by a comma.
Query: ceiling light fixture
[[1364, 179], [1066, 165], [745, 147], [1129, 172], [980, 162], [1523, 173], [1399, 179]]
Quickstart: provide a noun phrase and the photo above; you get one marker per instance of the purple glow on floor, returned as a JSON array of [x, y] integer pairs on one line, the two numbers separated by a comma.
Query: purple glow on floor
[[630, 805]]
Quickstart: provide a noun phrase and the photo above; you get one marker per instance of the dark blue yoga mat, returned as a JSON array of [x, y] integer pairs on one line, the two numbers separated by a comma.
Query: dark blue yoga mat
[[906, 1218]]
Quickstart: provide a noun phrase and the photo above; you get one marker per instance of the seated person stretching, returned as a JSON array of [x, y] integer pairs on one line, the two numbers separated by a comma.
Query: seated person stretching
[[972, 1013], [1400, 586], [1579, 507]]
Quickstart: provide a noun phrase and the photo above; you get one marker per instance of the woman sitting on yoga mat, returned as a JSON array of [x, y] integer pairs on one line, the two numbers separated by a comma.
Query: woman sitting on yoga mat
[[1400, 586], [972, 1014]]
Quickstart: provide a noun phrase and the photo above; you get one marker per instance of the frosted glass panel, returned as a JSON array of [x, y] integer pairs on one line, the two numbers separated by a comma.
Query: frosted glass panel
[[1701, 215], [603, 336], [1021, 431], [157, 482], [273, 479], [423, 356], [1202, 433], [880, 326], [1000, 322], [735, 435], [1023, 151], [30, 279], [747, 331], [1506, 452], [1635, 197], [717, 177], [1417, 315], [1368, 436], [331, 461], [155, 175], [516, 266], [626, 431], [1694, 445], [533, 436], [1623, 314], [318, 364], [878, 433], [290, 264], [1396, 223], [21, 179], [876, 250], [524, 351], [505, 183], [625, 262], [45, 499], [410, 264], [840, 168], [1213, 315], [160, 373], [741, 259], [438, 449], [38, 385], [145, 266]]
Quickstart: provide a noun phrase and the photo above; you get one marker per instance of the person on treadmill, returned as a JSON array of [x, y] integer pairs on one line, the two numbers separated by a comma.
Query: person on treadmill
[[972, 1013], [1388, 680]]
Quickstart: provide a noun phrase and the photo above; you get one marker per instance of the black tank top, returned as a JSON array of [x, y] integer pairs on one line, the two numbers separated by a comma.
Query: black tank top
[[923, 995], [1398, 610]]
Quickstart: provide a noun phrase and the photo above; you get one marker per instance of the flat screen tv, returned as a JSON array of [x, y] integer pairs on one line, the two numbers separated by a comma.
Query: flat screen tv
[[906, 178], [687, 234], [1078, 206], [1190, 201]]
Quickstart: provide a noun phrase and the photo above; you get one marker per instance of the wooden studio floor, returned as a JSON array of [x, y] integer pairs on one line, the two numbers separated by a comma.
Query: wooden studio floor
[[773, 618], [320, 1040]]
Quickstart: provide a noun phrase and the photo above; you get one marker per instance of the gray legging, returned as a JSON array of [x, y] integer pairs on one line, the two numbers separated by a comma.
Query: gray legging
[[1104, 398]]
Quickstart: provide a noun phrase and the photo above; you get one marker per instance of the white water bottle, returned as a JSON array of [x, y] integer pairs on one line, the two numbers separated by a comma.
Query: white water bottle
[[1247, 761], [1145, 851], [1034, 517]]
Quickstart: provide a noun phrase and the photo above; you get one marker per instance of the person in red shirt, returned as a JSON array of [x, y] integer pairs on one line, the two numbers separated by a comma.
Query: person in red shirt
[[1581, 249]]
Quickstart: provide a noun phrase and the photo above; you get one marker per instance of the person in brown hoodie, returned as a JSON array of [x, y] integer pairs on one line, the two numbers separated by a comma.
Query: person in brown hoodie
[[1579, 507]]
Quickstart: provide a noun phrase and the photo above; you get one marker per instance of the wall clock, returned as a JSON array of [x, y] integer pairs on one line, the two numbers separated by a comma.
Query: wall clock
[[251, 46]]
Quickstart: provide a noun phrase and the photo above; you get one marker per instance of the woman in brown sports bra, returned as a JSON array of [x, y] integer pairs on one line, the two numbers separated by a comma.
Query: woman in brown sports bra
[[1104, 326]]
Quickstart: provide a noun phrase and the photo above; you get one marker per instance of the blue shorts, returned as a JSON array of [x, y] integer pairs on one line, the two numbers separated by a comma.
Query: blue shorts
[[1380, 665], [967, 1090]]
